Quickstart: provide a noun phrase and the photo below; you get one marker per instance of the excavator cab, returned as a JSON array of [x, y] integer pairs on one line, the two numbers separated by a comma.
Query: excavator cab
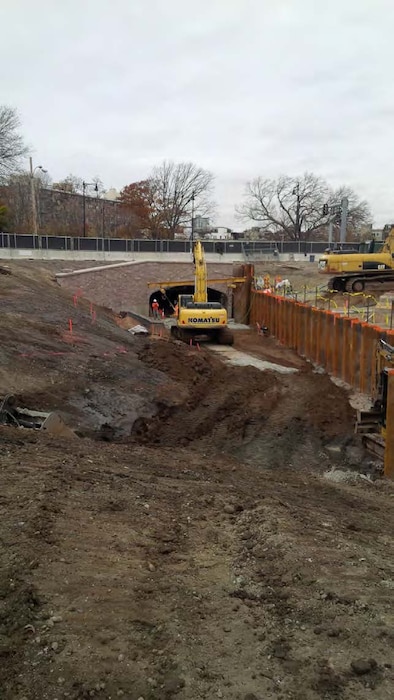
[[184, 300]]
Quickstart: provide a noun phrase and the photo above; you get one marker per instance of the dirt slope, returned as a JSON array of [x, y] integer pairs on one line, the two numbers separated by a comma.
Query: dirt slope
[[187, 545]]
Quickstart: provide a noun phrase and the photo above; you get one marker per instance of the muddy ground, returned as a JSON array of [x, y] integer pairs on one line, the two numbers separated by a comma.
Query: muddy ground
[[187, 544]]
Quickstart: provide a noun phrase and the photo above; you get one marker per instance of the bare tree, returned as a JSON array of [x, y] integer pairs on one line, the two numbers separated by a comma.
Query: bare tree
[[4, 218], [97, 181], [12, 147], [16, 194], [43, 179], [71, 184], [293, 207], [176, 187]]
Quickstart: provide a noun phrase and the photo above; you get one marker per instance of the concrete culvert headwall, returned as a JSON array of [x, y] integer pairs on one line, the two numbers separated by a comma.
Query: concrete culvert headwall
[[124, 287], [168, 299]]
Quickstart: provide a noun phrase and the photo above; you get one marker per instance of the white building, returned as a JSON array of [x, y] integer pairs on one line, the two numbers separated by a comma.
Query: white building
[[111, 194], [220, 233]]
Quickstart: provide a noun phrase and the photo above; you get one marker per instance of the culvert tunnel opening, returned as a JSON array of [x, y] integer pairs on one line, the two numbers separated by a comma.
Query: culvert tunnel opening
[[168, 298]]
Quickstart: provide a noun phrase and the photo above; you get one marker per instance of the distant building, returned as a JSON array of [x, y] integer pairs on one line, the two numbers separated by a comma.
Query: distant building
[[112, 194], [202, 229], [367, 233], [220, 233], [257, 233], [201, 224], [378, 234], [183, 234]]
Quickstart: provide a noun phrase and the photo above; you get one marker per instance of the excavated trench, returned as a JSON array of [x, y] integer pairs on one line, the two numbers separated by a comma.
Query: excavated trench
[[194, 400], [115, 387], [262, 418]]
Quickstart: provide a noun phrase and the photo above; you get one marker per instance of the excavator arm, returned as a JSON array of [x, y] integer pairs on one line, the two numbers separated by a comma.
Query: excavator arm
[[200, 283]]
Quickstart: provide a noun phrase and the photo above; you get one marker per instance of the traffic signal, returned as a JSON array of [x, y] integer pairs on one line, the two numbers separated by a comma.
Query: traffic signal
[[325, 209]]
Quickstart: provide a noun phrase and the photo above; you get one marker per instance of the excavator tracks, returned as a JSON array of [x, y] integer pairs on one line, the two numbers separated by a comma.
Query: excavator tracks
[[223, 337]]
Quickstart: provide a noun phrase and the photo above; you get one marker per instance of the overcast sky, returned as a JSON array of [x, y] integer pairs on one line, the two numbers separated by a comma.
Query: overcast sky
[[242, 87]]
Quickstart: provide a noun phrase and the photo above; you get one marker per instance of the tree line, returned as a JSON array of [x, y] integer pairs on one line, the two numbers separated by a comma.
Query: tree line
[[160, 206]]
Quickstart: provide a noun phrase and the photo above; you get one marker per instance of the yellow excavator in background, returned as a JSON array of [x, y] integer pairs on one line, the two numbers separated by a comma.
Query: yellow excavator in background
[[352, 269], [198, 317]]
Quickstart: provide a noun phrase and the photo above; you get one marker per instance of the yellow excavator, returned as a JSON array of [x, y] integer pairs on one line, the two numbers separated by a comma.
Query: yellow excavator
[[353, 268], [199, 318]]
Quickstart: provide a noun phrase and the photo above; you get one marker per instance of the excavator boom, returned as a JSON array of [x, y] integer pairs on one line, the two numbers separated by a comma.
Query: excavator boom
[[200, 266]]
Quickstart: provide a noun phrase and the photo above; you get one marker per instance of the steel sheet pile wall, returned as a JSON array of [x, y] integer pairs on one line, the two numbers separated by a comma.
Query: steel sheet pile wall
[[344, 347]]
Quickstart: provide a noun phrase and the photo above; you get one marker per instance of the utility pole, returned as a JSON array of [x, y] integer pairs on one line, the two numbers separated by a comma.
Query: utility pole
[[84, 208], [344, 209], [33, 197], [333, 211], [33, 194], [330, 232]]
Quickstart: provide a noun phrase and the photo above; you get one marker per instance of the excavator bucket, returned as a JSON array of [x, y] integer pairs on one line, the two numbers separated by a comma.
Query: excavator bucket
[[13, 415]]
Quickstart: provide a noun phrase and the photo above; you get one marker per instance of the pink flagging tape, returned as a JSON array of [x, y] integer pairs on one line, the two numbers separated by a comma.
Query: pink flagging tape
[[70, 325]]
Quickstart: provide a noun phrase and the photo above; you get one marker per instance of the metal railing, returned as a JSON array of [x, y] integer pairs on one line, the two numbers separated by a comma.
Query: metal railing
[[249, 249]]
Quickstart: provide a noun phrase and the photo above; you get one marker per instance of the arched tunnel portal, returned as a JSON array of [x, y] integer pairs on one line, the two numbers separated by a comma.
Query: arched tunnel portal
[[167, 298]]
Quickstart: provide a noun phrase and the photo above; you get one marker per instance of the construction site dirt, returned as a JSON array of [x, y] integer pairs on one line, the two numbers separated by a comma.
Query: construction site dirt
[[211, 531]]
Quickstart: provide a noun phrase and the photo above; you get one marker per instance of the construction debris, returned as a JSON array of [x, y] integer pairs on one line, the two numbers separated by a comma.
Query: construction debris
[[138, 330], [13, 415]]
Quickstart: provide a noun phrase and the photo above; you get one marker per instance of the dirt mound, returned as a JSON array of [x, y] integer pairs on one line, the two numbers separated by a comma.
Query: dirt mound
[[261, 416], [179, 361]]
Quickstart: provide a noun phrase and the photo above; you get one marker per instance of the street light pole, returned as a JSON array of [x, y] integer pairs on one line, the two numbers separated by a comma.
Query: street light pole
[[296, 191], [330, 224], [33, 197], [84, 186], [344, 208], [84, 208], [33, 194]]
